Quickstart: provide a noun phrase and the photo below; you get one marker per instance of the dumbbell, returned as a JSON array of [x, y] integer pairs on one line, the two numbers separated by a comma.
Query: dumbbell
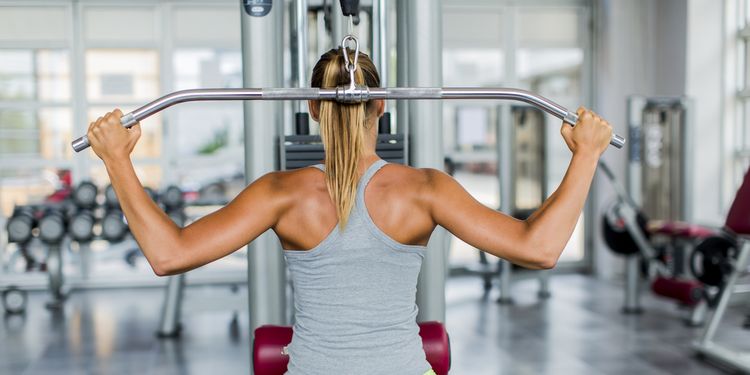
[[152, 193], [178, 217], [84, 195], [14, 300], [21, 224], [110, 197], [52, 226], [113, 225], [111, 200], [172, 197], [81, 226]]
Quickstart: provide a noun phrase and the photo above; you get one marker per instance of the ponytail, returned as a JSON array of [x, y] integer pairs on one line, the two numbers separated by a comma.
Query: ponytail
[[342, 129]]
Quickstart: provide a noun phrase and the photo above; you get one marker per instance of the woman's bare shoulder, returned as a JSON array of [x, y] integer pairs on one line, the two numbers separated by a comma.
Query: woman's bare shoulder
[[302, 179], [417, 179]]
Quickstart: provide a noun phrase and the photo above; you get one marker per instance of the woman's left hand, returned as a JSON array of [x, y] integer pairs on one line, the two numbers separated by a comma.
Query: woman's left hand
[[109, 139]]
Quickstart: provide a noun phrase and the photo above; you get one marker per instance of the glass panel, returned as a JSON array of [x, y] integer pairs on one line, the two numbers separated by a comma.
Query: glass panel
[[207, 129], [478, 177], [16, 74], [206, 24], [207, 68], [46, 133], [34, 23], [20, 186], [473, 67], [56, 125], [470, 136], [207, 138], [540, 26], [29, 74], [53, 75], [741, 68], [150, 143], [105, 24], [472, 47], [116, 75], [553, 72], [19, 134], [474, 27]]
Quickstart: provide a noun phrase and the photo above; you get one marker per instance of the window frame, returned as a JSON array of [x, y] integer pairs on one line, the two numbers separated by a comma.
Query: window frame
[[76, 45]]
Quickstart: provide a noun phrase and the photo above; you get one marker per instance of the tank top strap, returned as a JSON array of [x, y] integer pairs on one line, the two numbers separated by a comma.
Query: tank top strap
[[322, 167], [371, 170]]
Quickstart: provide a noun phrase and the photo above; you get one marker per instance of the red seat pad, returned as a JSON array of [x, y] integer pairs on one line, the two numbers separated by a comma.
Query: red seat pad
[[679, 229], [270, 357], [738, 219], [437, 346], [269, 349]]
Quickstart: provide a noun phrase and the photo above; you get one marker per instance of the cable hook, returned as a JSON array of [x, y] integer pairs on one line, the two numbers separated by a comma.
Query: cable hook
[[351, 67]]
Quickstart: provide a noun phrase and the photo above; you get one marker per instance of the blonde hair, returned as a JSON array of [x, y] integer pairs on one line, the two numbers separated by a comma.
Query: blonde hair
[[343, 127]]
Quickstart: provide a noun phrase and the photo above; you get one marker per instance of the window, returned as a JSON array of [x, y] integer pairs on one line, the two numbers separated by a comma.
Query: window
[[205, 130], [36, 121], [56, 78], [741, 131], [35, 90], [50, 91], [513, 45]]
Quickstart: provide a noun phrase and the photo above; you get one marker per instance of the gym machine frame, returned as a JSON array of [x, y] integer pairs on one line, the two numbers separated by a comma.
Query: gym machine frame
[[705, 346], [626, 209], [736, 224]]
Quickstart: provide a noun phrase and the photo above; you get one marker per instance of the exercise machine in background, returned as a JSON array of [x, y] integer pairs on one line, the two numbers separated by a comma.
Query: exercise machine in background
[[523, 188], [647, 221], [658, 162], [627, 231], [722, 260]]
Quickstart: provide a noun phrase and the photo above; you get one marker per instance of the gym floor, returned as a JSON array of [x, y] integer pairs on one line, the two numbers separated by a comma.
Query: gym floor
[[580, 330]]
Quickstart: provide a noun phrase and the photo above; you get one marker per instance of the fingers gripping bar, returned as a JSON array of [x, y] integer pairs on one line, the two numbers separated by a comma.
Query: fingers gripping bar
[[347, 94]]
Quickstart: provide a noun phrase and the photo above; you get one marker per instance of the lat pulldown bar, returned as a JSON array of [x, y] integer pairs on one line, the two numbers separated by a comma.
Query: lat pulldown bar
[[347, 94]]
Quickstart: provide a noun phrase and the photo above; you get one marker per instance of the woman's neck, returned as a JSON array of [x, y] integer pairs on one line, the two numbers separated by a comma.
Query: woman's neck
[[366, 160]]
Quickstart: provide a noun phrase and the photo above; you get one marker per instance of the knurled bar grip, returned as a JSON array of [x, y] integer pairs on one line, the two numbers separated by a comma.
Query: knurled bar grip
[[345, 94]]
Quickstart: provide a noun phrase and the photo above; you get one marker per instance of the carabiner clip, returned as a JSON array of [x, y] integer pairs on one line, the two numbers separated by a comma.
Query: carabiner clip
[[350, 67]]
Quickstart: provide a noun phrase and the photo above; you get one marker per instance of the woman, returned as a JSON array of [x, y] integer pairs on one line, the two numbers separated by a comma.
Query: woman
[[354, 231]]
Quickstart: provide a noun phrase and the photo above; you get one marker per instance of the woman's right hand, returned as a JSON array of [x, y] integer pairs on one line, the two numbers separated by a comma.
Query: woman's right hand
[[110, 140], [591, 134]]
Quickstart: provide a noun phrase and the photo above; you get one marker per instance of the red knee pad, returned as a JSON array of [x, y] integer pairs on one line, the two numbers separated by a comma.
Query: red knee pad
[[687, 292]]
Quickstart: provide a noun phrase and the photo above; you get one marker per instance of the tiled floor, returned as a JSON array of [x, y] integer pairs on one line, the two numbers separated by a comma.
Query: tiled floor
[[578, 331]]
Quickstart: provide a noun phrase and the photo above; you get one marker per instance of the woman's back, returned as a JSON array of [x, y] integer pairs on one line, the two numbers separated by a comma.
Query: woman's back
[[394, 198], [355, 293]]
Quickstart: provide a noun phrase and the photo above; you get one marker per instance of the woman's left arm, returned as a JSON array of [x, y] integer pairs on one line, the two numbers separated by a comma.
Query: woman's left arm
[[168, 248]]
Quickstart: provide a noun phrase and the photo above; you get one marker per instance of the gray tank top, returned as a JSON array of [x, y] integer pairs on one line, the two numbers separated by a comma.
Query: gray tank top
[[354, 300]]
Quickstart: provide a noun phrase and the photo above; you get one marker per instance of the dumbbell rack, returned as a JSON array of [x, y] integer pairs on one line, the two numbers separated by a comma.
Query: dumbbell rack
[[75, 218]]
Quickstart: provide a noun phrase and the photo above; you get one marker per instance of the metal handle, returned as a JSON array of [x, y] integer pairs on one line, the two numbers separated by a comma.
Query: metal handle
[[346, 94]]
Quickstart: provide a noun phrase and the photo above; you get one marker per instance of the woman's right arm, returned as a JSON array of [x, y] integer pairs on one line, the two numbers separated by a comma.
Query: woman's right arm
[[538, 241], [168, 248]]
